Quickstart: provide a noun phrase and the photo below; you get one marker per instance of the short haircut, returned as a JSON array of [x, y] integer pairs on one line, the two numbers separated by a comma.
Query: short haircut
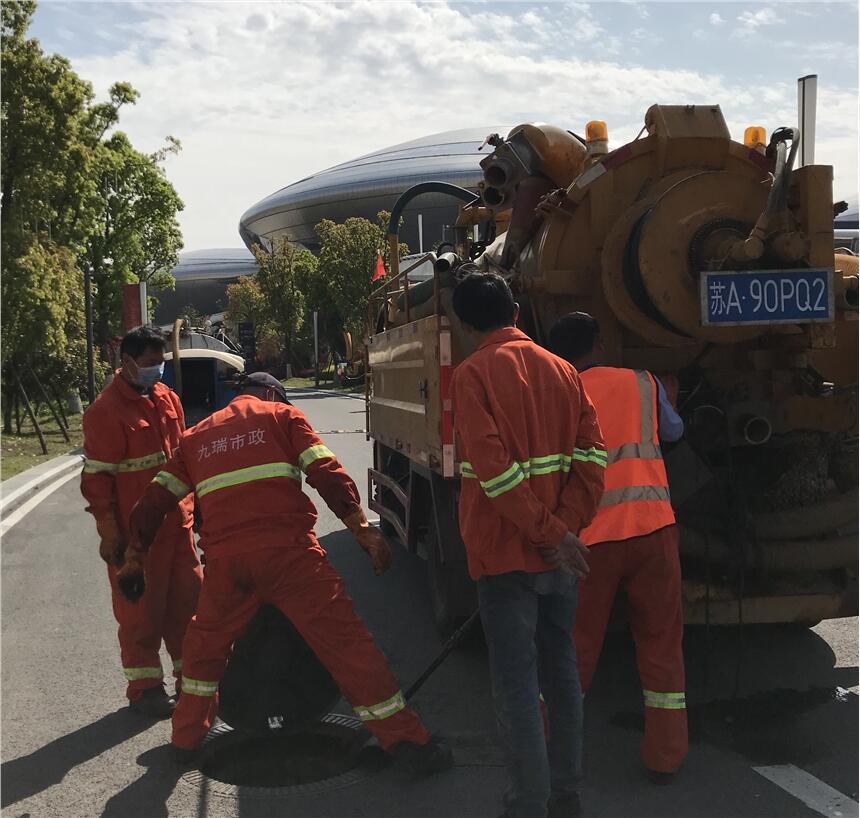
[[485, 302], [138, 340], [574, 335]]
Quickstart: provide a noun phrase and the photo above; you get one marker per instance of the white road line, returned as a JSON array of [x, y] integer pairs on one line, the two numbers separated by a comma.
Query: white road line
[[22, 511], [813, 792]]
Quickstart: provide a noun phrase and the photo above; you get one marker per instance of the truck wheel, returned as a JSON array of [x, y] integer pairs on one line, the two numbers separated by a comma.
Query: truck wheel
[[451, 590], [453, 596]]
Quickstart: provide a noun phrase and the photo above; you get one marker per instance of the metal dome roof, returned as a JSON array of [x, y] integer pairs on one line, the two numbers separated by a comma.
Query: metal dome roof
[[218, 263], [370, 183]]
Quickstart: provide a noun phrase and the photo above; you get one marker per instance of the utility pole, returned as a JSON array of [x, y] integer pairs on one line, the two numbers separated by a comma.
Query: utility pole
[[88, 308], [316, 349]]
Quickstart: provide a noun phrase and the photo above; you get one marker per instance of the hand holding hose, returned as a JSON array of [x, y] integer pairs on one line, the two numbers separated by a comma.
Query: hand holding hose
[[370, 539]]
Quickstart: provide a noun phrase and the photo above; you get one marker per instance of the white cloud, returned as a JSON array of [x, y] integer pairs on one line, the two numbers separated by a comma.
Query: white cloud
[[716, 20], [751, 21], [262, 95]]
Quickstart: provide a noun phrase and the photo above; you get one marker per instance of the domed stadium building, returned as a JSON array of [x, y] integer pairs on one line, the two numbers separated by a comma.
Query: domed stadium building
[[202, 278], [371, 183], [361, 187]]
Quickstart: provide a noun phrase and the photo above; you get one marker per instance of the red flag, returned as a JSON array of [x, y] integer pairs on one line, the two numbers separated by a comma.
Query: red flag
[[379, 272]]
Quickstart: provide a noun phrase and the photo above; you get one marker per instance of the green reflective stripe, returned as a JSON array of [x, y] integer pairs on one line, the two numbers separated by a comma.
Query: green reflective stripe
[[135, 673], [173, 484], [309, 455], [375, 712], [592, 455], [177, 664], [665, 701], [148, 461], [631, 494], [197, 687], [95, 466], [533, 467], [247, 475], [640, 451], [510, 478]]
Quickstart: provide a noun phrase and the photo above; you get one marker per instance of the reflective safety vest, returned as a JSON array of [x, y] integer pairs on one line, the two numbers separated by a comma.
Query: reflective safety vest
[[635, 497]]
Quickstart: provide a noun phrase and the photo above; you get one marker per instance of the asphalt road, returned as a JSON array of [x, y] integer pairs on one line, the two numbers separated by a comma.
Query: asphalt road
[[762, 698]]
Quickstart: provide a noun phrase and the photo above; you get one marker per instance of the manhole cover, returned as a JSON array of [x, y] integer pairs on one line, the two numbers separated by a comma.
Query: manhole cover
[[323, 757]]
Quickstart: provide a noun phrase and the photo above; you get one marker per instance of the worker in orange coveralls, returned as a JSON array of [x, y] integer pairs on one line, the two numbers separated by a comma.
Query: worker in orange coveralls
[[245, 463], [633, 540], [532, 461], [130, 431]]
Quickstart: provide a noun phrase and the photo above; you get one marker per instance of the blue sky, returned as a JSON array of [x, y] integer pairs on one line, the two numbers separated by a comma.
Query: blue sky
[[262, 94]]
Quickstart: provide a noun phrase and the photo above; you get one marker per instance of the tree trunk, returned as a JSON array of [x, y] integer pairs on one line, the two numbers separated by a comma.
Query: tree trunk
[[49, 403], [33, 418], [59, 401], [8, 401]]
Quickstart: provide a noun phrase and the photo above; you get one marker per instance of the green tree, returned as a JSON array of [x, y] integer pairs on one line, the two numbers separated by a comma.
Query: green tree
[[347, 262], [283, 268], [135, 236], [73, 193], [245, 302]]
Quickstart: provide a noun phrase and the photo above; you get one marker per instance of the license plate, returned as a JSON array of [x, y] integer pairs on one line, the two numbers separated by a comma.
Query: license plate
[[767, 296]]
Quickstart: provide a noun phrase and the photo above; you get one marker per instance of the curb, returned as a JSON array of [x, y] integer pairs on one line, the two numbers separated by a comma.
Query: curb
[[335, 392], [15, 491]]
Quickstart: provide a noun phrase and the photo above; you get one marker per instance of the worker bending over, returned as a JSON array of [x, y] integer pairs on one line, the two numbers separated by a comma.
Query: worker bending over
[[130, 431], [633, 539], [245, 463], [532, 466]]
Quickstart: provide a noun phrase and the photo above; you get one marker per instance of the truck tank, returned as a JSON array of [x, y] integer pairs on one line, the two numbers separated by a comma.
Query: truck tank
[[708, 262]]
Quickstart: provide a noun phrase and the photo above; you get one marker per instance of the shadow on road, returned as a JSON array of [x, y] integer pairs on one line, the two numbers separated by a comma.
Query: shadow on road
[[31, 774], [147, 797]]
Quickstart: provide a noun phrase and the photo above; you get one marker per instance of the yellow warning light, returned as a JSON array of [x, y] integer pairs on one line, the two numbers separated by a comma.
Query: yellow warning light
[[755, 137], [596, 131]]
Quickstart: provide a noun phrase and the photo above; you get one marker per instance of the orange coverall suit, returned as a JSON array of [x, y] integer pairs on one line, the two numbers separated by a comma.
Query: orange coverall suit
[[634, 545], [127, 437], [245, 463]]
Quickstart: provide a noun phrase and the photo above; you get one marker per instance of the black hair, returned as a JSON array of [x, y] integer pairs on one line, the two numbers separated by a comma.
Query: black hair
[[574, 335], [138, 340], [485, 302]]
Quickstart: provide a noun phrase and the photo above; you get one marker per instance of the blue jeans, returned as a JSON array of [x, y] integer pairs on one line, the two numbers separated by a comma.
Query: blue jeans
[[528, 621]]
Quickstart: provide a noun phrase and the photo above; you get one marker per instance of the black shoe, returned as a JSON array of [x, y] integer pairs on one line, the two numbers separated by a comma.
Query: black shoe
[[564, 806], [185, 759], [423, 759], [660, 779], [154, 703]]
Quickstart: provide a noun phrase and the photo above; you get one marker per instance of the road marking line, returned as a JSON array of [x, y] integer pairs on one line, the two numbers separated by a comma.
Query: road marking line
[[812, 791], [22, 511]]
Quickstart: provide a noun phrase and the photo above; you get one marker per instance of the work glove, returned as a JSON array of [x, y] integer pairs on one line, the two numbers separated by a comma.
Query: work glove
[[131, 578], [371, 540], [148, 514], [111, 546]]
